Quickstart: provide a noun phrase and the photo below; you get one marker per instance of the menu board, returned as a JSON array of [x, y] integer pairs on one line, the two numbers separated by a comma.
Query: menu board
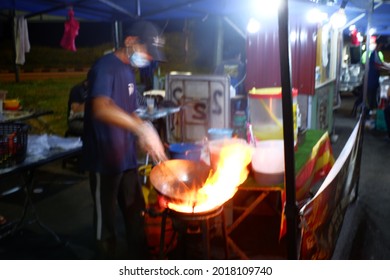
[[327, 52], [204, 101]]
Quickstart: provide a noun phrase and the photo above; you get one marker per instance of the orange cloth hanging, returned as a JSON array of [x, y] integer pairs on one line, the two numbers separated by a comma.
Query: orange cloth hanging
[[70, 33]]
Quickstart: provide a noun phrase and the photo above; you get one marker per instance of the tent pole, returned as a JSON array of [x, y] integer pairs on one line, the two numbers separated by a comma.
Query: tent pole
[[116, 34], [235, 27], [291, 209], [362, 15], [340, 45], [219, 44], [367, 54], [16, 66], [116, 7], [370, 10], [138, 8]]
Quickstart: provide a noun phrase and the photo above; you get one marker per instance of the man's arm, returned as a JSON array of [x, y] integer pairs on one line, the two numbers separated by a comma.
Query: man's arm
[[76, 107], [385, 66], [105, 110]]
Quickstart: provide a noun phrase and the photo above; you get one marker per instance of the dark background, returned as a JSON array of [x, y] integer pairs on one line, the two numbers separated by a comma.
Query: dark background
[[49, 33]]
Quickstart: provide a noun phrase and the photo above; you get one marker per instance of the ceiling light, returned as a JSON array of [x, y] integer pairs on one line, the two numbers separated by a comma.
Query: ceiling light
[[314, 15], [265, 8], [338, 19], [253, 26]]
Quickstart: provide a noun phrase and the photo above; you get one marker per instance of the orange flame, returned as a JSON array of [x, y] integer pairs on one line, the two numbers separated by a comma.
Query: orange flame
[[221, 185]]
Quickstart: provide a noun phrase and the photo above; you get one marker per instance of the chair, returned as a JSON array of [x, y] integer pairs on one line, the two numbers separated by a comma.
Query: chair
[[72, 161], [77, 96]]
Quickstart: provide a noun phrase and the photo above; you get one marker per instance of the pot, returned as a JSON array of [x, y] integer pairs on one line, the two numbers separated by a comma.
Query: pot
[[177, 179], [268, 162]]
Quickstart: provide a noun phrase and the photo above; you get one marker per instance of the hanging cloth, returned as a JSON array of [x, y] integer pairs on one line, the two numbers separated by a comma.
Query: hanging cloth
[[71, 31], [22, 43]]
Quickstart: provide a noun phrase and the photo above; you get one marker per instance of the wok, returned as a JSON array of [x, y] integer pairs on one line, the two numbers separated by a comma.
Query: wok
[[176, 179]]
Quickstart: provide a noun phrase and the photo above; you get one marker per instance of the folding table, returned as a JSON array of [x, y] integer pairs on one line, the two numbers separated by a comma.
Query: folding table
[[313, 161]]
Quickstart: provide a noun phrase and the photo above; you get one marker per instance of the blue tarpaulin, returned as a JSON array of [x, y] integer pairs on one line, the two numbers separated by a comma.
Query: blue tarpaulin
[[112, 10]]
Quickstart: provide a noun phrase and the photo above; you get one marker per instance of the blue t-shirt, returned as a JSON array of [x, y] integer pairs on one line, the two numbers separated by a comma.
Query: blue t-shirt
[[107, 148], [374, 71]]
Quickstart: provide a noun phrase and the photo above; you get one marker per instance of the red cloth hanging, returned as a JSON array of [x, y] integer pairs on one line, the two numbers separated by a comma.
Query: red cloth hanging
[[70, 33], [354, 38]]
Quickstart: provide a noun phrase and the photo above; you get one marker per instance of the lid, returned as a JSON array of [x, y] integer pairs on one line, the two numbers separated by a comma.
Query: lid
[[219, 133], [271, 92], [184, 147]]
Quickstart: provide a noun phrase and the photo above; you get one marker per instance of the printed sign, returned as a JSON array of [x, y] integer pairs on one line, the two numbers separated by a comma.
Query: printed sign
[[322, 216], [204, 102]]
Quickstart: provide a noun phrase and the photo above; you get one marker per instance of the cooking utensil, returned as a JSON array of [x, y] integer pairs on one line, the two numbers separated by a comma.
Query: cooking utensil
[[166, 169], [177, 179]]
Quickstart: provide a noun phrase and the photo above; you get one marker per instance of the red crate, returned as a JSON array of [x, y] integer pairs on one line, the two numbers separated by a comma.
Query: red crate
[[13, 143]]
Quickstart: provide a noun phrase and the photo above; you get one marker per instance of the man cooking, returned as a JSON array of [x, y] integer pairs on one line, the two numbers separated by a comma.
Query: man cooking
[[111, 129]]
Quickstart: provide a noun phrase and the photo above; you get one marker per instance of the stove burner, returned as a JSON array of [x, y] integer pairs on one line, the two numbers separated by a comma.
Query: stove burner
[[196, 216], [203, 218]]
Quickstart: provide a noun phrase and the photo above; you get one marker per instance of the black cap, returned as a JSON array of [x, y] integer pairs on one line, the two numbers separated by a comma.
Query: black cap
[[148, 34], [381, 40]]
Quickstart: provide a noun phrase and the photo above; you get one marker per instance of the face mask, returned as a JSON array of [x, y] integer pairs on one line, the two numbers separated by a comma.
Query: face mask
[[138, 60]]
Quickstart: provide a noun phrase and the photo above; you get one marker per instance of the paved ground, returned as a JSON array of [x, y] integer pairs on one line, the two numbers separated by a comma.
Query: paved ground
[[63, 202], [366, 229]]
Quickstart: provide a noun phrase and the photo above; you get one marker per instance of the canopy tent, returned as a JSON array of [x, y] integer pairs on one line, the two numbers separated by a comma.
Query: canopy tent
[[241, 11], [108, 10], [120, 10]]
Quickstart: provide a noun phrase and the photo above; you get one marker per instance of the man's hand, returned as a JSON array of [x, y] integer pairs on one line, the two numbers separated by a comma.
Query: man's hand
[[386, 66], [150, 142]]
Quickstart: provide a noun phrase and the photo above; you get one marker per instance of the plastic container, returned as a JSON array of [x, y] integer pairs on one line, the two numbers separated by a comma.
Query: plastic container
[[11, 104], [188, 151], [215, 147], [219, 133], [13, 143], [239, 123], [268, 162], [266, 113]]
